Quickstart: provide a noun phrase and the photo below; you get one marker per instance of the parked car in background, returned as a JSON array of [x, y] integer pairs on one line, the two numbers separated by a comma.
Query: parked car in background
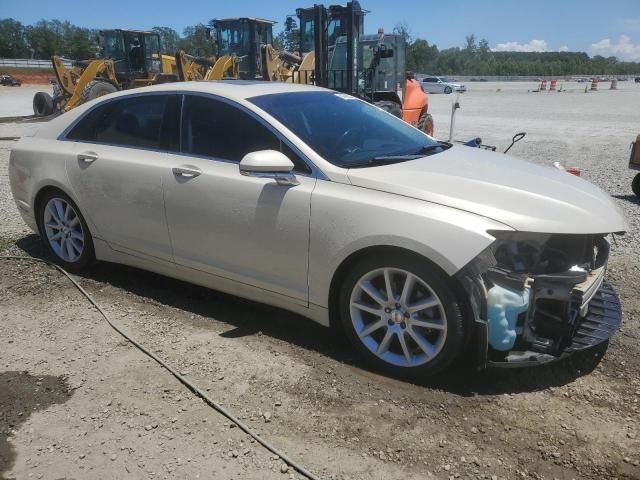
[[9, 81], [637, 79], [325, 205], [441, 85]]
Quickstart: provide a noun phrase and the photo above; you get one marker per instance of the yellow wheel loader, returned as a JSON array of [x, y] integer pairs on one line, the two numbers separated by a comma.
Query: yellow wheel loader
[[245, 51], [192, 68], [130, 58]]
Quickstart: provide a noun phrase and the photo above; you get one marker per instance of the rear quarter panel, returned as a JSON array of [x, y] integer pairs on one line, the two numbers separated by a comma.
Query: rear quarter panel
[[35, 163]]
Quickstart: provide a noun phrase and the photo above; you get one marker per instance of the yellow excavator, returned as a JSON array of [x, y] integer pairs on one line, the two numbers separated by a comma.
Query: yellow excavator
[[129, 59]]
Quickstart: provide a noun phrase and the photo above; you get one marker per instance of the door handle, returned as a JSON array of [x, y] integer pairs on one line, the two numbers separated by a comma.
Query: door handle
[[87, 157], [186, 172]]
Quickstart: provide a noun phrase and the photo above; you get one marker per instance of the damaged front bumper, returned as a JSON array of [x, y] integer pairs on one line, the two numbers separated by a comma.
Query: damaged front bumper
[[526, 319]]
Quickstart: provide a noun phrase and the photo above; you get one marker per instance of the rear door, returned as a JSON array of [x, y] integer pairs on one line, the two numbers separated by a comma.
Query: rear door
[[116, 165]]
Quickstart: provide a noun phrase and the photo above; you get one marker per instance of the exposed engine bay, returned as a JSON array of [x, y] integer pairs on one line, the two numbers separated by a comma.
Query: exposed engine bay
[[542, 295]]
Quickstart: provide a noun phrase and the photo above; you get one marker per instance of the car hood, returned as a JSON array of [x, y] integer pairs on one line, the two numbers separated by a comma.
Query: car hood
[[517, 193]]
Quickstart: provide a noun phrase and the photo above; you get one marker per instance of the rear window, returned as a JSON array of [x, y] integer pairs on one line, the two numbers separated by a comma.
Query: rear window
[[130, 121]]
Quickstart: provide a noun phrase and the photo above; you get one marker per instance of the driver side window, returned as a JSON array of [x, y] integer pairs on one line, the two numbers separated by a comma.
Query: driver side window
[[216, 129]]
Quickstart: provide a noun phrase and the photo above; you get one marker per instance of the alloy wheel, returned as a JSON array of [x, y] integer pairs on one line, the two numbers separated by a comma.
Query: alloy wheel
[[63, 230], [398, 317]]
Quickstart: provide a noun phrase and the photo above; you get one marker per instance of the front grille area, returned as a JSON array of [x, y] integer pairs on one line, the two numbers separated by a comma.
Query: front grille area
[[602, 320]]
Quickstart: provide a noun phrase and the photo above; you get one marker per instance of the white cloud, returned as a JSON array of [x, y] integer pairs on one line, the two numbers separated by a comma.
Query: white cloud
[[624, 48], [532, 46]]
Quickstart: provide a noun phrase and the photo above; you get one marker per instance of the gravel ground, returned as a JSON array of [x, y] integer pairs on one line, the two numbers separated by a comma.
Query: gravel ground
[[76, 401]]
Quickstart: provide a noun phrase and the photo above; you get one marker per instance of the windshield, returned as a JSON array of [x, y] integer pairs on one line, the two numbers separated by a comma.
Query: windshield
[[344, 130], [113, 46], [233, 38]]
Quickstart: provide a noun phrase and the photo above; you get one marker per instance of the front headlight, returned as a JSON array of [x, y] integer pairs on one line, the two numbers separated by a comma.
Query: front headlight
[[545, 253]]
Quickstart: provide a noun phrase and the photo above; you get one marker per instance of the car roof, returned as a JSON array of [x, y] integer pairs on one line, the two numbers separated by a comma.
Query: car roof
[[233, 89]]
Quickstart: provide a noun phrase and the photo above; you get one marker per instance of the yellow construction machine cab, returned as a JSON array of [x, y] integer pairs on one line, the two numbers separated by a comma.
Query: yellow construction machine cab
[[243, 38], [136, 54]]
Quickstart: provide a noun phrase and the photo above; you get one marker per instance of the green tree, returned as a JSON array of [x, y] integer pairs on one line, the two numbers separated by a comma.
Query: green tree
[[421, 57], [169, 39], [13, 43], [402, 28], [289, 38], [470, 44], [45, 38], [196, 41]]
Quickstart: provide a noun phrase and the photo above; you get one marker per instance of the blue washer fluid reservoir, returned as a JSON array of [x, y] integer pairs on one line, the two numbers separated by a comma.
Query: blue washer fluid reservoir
[[503, 307]]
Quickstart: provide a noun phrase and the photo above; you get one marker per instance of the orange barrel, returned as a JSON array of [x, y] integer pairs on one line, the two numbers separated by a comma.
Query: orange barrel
[[543, 85], [552, 87], [594, 84], [614, 84]]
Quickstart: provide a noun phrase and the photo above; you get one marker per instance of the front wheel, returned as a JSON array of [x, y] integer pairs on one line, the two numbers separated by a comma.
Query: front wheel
[[95, 89], [64, 232], [401, 314], [635, 185], [448, 90]]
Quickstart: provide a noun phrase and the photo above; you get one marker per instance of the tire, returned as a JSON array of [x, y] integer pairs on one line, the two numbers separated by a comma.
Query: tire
[[79, 252], [448, 90], [395, 321], [425, 123], [635, 185], [42, 104], [95, 89], [390, 106]]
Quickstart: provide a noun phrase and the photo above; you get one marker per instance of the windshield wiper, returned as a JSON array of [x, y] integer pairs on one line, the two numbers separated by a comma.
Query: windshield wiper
[[426, 149]]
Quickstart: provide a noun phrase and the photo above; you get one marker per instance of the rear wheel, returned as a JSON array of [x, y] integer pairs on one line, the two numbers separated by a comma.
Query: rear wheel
[[390, 106], [425, 123], [401, 315], [95, 89], [635, 185], [65, 233], [42, 104]]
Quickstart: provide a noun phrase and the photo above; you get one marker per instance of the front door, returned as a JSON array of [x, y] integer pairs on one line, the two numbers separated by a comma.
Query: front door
[[247, 229]]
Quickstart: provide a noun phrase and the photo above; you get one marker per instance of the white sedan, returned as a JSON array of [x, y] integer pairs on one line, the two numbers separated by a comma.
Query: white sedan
[[322, 204], [441, 85]]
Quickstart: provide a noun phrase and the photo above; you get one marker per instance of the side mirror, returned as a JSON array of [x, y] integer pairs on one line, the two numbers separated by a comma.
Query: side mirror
[[269, 164]]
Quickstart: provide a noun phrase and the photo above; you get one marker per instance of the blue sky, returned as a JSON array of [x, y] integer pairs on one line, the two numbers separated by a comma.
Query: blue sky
[[598, 27]]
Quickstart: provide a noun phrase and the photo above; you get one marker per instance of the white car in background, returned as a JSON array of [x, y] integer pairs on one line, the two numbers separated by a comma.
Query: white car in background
[[441, 85], [325, 205]]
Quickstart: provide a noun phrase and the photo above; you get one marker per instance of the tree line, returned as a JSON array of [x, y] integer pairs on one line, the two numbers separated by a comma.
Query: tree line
[[55, 37], [477, 58]]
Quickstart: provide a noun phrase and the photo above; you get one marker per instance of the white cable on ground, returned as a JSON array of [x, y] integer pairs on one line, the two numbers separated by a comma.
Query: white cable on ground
[[245, 428]]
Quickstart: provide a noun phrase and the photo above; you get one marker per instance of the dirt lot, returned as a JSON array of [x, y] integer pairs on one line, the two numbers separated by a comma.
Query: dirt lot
[[76, 401]]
